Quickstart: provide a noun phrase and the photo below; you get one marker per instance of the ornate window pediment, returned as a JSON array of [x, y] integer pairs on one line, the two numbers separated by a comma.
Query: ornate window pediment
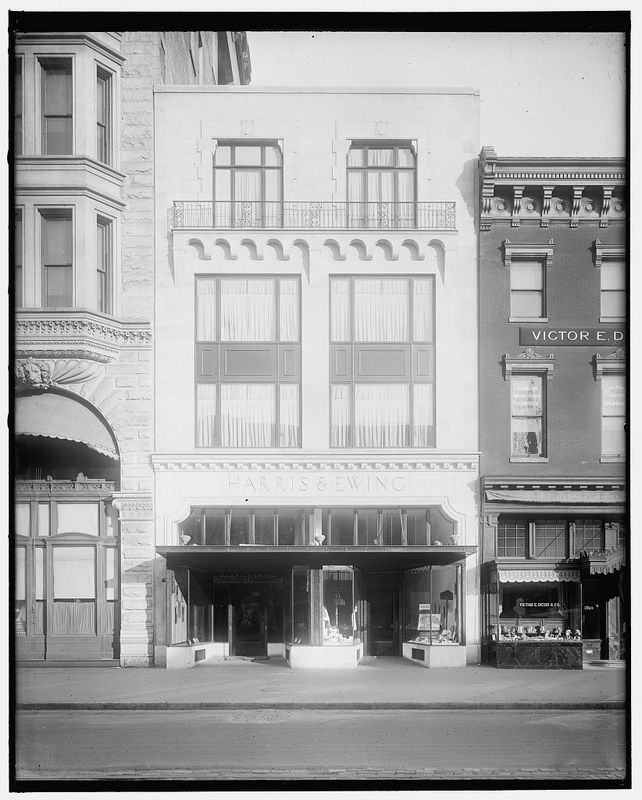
[[539, 251], [613, 364], [529, 361]]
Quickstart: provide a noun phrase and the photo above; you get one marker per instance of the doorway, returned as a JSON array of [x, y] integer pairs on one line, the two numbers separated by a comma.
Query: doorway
[[249, 623], [383, 623]]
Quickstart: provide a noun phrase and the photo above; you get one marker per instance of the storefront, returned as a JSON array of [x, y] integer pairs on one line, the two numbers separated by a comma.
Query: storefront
[[553, 576], [321, 585]]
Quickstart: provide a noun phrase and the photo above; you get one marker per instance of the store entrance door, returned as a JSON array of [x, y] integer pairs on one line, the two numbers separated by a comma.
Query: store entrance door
[[383, 628], [249, 623]]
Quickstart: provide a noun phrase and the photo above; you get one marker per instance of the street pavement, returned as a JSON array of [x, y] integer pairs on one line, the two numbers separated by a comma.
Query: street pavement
[[377, 683]]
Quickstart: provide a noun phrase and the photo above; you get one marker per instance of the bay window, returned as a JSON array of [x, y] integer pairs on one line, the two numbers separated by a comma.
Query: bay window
[[104, 258], [57, 258], [56, 106], [382, 362], [103, 116], [248, 362]]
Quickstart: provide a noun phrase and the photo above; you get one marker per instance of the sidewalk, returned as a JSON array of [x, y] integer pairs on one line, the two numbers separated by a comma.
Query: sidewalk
[[377, 684]]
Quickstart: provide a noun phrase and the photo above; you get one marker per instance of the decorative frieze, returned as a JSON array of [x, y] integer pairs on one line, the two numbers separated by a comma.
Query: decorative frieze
[[133, 506], [58, 488], [45, 374]]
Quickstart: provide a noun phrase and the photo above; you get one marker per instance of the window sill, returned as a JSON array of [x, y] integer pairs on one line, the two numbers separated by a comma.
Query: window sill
[[615, 320], [527, 460], [528, 319], [612, 459]]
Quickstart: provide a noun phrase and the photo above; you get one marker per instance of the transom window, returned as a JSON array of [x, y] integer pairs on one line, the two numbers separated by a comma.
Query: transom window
[[382, 356], [381, 184], [248, 357], [248, 184]]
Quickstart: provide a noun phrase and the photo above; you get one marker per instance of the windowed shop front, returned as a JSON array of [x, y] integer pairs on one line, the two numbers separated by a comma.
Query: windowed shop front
[[319, 587]]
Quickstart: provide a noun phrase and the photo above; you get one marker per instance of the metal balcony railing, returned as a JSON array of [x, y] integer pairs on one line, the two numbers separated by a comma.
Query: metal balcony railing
[[253, 215]]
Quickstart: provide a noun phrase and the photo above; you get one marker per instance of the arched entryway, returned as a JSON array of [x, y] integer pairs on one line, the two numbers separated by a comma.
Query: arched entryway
[[65, 531]]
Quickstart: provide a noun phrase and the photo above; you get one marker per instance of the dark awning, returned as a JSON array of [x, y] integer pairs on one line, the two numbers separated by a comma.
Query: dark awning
[[58, 417], [259, 557]]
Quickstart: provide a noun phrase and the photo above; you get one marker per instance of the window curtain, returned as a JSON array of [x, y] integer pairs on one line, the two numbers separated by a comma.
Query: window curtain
[[206, 310], [340, 415], [423, 414], [381, 415], [340, 311], [78, 518], [422, 310], [247, 415], [247, 310], [248, 208], [205, 415], [74, 617], [289, 310], [380, 310], [289, 415]]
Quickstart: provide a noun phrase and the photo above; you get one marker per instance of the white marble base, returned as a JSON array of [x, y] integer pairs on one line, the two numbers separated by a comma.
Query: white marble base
[[436, 656], [327, 657]]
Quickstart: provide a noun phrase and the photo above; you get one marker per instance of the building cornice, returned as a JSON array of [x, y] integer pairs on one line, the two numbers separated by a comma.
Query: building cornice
[[84, 39]]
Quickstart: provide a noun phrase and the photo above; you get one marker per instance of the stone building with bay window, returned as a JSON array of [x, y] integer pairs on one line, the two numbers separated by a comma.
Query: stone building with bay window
[[316, 448], [553, 302], [82, 289]]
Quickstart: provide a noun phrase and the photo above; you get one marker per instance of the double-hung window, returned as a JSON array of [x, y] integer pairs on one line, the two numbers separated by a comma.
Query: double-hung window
[[613, 416], [381, 185], [382, 362], [528, 416], [56, 106], [248, 185], [527, 289], [17, 108], [57, 258], [17, 258], [248, 354], [613, 291], [103, 116], [104, 256]]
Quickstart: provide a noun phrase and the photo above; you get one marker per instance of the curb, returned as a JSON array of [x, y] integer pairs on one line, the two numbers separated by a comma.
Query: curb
[[602, 705]]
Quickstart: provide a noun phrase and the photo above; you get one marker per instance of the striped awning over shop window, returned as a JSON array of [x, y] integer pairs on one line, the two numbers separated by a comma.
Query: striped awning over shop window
[[55, 416], [538, 575]]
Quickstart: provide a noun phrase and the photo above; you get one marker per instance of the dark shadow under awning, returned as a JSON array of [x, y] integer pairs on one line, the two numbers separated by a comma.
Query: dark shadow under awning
[[55, 416], [278, 557]]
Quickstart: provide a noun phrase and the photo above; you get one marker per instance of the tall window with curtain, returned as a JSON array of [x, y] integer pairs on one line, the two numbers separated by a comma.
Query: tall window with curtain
[[248, 354], [56, 118], [248, 180], [382, 354], [381, 185]]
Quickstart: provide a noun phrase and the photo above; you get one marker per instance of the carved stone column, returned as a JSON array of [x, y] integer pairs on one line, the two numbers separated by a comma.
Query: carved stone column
[[136, 578]]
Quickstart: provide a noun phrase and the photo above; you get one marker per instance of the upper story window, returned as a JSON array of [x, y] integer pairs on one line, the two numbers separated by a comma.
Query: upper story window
[[381, 185], [382, 357], [104, 264], [248, 184], [17, 258], [103, 116], [17, 108], [57, 258], [528, 416], [613, 291], [613, 416], [56, 106], [556, 539], [527, 290], [248, 356]]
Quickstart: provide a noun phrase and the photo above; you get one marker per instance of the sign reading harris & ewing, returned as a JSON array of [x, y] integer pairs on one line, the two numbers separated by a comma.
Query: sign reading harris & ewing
[[585, 337]]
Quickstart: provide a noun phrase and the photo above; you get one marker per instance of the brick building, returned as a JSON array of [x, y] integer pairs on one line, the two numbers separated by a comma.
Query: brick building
[[83, 292], [552, 277], [316, 464]]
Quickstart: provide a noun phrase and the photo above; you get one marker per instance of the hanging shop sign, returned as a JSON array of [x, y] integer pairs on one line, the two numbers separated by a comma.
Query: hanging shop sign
[[564, 337]]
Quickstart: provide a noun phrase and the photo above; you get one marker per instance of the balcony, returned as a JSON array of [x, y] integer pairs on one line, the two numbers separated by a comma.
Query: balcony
[[306, 216]]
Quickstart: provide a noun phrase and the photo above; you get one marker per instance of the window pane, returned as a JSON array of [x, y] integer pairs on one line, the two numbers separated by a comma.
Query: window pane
[[339, 621], [341, 527], [614, 395], [613, 436], [247, 155], [247, 187], [22, 519], [206, 310], [527, 436], [406, 195], [512, 538], [424, 415], [339, 310], [247, 310], [57, 87], [58, 240], [380, 310], [111, 573], [589, 535], [214, 527], [550, 538], [423, 305], [368, 532], [205, 415], [43, 519], [222, 184], [405, 157], [526, 304], [355, 157], [526, 395], [17, 256], [58, 135], [39, 553], [381, 157], [445, 598], [264, 527], [289, 310], [222, 155], [73, 573], [20, 566], [239, 527], [391, 526], [272, 185], [248, 415], [417, 526], [17, 137], [613, 275], [292, 527], [273, 156], [613, 304], [340, 425], [381, 189], [58, 287], [289, 425], [78, 518], [381, 415], [526, 275]]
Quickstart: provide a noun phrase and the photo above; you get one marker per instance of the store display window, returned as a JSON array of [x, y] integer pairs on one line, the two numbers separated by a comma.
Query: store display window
[[326, 606], [433, 605], [538, 611]]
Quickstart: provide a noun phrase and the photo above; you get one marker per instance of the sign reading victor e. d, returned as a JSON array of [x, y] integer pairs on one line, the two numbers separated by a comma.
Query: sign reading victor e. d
[[585, 337]]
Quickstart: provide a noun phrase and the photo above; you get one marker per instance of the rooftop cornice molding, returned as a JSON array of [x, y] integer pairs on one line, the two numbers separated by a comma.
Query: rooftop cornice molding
[[355, 462], [551, 168], [80, 38]]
